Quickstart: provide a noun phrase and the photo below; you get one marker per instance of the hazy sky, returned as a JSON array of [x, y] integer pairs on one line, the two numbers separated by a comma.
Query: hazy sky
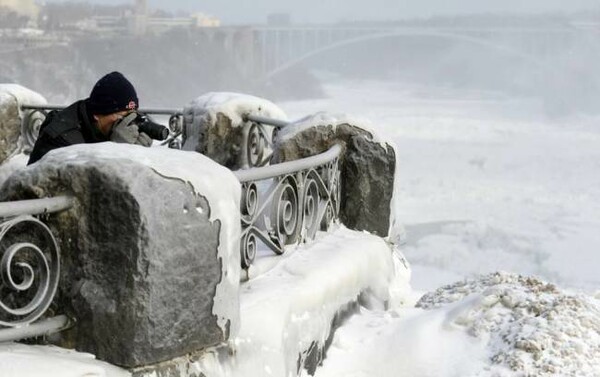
[[255, 11]]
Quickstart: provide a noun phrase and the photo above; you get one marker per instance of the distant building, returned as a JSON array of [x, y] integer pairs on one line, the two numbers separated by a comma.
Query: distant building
[[26, 9], [203, 20], [21, 7], [140, 24], [135, 18]]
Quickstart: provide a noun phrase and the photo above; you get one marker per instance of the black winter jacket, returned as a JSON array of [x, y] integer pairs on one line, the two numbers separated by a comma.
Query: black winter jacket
[[69, 126]]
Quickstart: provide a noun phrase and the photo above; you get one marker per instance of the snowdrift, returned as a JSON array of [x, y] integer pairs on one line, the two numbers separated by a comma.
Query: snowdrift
[[528, 327]]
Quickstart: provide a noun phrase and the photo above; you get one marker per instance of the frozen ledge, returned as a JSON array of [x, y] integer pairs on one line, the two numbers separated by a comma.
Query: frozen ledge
[[288, 314], [289, 310]]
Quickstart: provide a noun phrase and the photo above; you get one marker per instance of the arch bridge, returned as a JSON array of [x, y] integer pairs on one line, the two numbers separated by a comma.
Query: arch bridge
[[265, 52]]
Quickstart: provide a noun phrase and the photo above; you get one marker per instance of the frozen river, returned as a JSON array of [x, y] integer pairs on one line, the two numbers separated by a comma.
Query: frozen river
[[488, 181]]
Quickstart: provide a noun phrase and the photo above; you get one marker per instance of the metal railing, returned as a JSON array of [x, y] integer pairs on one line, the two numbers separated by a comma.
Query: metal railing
[[258, 140], [34, 116], [29, 268], [303, 196], [294, 201]]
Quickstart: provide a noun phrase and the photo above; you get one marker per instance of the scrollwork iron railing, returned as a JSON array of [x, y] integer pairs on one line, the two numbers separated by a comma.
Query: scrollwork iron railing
[[282, 204], [257, 142], [258, 139], [34, 115], [288, 203], [29, 268]]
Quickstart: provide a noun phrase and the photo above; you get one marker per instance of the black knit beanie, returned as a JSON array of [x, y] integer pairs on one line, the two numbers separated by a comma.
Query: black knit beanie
[[111, 94]]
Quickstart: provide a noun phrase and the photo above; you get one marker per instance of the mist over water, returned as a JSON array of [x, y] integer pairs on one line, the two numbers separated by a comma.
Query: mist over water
[[559, 71], [551, 58]]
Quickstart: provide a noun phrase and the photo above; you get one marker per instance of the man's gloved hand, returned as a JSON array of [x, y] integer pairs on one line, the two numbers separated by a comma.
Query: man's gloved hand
[[125, 131]]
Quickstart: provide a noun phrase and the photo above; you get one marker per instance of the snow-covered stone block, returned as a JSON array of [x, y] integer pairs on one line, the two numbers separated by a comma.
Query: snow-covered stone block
[[368, 166], [12, 96], [150, 250], [214, 126]]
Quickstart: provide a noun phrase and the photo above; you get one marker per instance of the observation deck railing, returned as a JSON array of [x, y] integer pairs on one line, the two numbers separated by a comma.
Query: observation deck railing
[[295, 200], [302, 197], [29, 269], [34, 116], [281, 204]]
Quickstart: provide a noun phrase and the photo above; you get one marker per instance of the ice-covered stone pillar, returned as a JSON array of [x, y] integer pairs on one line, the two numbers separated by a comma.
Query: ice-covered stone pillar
[[12, 96], [368, 166], [150, 250], [214, 126]]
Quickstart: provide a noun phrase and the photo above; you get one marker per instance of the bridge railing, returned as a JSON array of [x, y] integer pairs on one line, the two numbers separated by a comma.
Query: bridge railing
[[29, 268]]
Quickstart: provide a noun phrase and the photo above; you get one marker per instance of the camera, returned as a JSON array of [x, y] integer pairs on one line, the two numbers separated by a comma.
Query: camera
[[154, 130]]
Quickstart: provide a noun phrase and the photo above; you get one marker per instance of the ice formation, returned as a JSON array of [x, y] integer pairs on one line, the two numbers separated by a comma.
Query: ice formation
[[532, 328]]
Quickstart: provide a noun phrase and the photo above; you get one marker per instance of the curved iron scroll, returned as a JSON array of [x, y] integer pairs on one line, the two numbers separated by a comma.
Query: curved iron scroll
[[29, 270], [29, 266], [296, 200], [258, 139], [258, 145], [30, 127]]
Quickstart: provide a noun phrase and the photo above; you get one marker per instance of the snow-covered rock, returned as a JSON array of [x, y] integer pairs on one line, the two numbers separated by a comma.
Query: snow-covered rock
[[150, 250], [529, 327], [214, 126], [368, 166], [12, 96], [496, 325], [14, 163]]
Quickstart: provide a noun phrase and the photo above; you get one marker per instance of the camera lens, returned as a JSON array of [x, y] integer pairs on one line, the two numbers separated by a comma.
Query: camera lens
[[154, 130]]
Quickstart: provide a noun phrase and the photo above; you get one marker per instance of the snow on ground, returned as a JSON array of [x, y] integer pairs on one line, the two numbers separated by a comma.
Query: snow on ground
[[495, 325], [487, 183], [528, 326], [19, 360]]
